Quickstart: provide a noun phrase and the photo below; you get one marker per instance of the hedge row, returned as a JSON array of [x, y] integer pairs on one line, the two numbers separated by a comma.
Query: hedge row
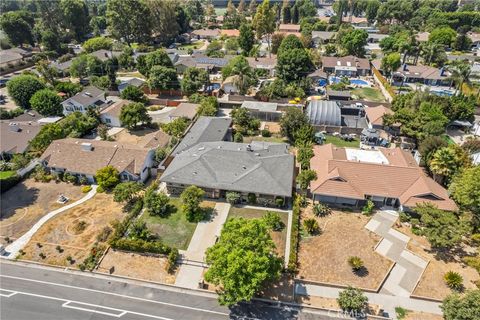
[[139, 245], [292, 259], [122, 227]]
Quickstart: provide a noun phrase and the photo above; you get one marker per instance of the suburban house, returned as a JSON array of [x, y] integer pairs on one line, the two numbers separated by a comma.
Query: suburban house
[[103, 55], [230, 33], [264, 63], [349, 66], [265, 111], [15, 136], [111, 114], [135, 82], [288, 28], [374, 116], [184, 110], [323, 37], [206, 33], [13, 56], [356, 21], [83, 157], [475, 37], [338, 94], [388, 177], [202, 62], [90, 97], [205, 129], [422, 74], [260, 168]]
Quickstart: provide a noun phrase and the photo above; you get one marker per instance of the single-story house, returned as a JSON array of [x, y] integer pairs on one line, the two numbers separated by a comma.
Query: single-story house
[[376, 37], [62, 67], [264, 63], [206, 33], [136, 82], [287, 27], [324, 113], [111, 114], [104, 55], [202, 62], [205, 129], [475, 37], [322, 37], [338, 95], [83, 157], [90, 97], [422, 74], [260, 168], [15, 136], [349, 66], [184, 110], [13, 56], [266, 111], [356, 21], [375, 115], [388, 177]]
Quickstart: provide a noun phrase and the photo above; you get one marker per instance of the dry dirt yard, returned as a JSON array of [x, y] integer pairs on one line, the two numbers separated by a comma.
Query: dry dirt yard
[[74, 230], [135, 265], [23, 205], [323, 258], [431, 283]]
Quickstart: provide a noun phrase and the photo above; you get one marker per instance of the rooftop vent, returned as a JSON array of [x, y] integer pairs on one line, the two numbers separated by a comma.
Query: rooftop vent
[[86, 146], [87, 93], [13, 126], [249, 147], [31, 114]]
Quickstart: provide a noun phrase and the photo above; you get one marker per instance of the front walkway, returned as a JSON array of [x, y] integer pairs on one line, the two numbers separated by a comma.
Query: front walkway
[[205, 236], [11, 251], [408, 267]]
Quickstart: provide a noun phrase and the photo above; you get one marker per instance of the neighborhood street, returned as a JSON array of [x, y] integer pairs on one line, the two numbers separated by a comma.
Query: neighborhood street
[[33, 292]]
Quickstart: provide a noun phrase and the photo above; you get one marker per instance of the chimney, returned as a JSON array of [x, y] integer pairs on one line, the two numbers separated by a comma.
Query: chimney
[[13, 126], [86, 146]]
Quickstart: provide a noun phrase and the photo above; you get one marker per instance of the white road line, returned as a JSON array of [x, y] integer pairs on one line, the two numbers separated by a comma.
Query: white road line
[[117, 315], [7, 295], [66, 302], [116, 294]]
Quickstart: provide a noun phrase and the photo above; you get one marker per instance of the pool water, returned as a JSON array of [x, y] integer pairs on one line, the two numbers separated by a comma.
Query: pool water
[[358, 82]]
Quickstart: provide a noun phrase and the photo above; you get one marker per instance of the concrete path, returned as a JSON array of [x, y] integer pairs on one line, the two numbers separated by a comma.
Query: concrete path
[[388, 302], [11, 251], [205, 235], [408, 267]]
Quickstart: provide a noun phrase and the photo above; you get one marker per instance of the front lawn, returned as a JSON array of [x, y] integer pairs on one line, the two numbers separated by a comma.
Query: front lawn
[[194, 46], [278, 237], [7, 174], [174, 231], [369, 94], [339, 142]]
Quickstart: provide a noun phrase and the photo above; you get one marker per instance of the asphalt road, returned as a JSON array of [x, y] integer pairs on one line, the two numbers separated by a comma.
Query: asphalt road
[[37, 293]]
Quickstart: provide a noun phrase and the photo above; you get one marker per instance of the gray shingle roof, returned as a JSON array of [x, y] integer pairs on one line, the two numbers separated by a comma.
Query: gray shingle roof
[[267, 168], [206, 129], [88, 96]]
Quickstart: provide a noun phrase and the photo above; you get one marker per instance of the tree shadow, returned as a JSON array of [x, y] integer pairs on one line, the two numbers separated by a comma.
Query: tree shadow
[[209, 214], [262, 310], [361, 272], [17, 197]]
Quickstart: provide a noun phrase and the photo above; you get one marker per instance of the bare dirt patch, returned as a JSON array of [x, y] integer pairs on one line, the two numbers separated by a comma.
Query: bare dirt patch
[[431, 283], [27, 202], [323, 258], [98, 212], [135, 265], [414, 315], [273, 127]]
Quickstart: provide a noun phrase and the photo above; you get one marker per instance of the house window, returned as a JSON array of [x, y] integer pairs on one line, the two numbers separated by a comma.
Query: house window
[[107, 120]]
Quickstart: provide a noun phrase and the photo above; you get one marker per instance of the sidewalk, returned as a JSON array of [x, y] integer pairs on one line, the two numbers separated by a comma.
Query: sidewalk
[[11, 251], [205, 236]]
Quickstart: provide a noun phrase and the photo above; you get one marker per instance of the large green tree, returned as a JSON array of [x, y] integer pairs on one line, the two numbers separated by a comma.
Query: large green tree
[[22, 88], [191, 198], [193, 80], [156, 203], [75, 17], [17, 25], [162, 78], [292, 120], [208, 107], [445, 36], [462, 307], [134, 113], [107, 177], [448, 161], [175, 128], [264, 21], [465, 189], [133, 93], [129, 20], [244, 75], [126, 191], [47, 102], [246, 40], [354, 42], [97, 43], [243, 260]]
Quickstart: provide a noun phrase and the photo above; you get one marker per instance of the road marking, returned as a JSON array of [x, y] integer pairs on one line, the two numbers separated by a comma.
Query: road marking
[[94, 308], [117, 295], [7, 293], [67, 302]]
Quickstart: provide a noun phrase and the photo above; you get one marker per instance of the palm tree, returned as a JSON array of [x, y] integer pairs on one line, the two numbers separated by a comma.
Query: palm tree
[[429, 51], [443, 163], [461, 72]]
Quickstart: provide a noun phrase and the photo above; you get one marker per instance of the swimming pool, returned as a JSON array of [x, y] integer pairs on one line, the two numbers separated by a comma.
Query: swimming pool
[[358, 82]]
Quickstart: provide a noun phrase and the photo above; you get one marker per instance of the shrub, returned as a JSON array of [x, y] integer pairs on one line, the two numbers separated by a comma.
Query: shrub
[[266, 133], [91, 261], [172, 260], [83, 181], [39, 245], [252, 198], [273, 221], [453, 280], [352, 299], [100, 189], [140, 245], [368, 208], [232, 197], [401, 313], [311, 226], [292, 259], [21, 252], [356, 263], [70, 259], [238, 137], [279, 202], [476, 238], [404, 217], [473, 262], [59, 249], [42, 255], [321, 210], [7, 239], [104, 234], [86, 189], [80, 226]]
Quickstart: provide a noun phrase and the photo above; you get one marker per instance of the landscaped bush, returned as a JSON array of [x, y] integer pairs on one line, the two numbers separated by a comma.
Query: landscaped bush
[[40, 174], [404, 217], [232, 197], [172, 260], [454, 280], [475, 238], [321, 210], [140, 245], [252, 198], [100, 189], [356, 263], [104, 234], [266, 133], [368, 208], [279, 202], [311, 226], [292, 259], [91, 261], [86, 189], [273, 220], [473, 262]]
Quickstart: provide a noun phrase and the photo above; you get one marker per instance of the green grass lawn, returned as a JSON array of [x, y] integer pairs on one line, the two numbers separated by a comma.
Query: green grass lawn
[[278, 237], [193, 46], [369, 94], [339, 142], [220, 11], [249, 139], [174, 230], [7, 174]]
